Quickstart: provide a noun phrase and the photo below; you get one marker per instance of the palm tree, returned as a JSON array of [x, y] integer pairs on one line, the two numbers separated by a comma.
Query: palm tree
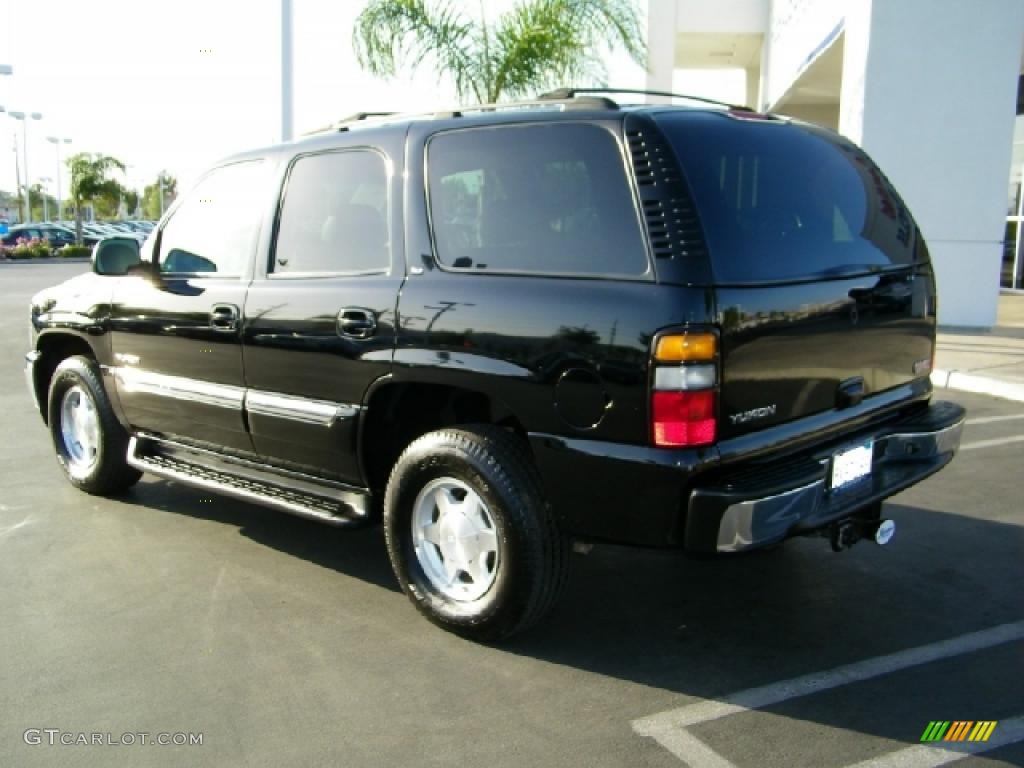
[[90, 179], [535, 45]]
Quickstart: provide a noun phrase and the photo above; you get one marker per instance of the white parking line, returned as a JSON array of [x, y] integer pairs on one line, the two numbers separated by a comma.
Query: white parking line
[[993, 419], [991, 443], [691, 750], [667, 727], [929, 756]]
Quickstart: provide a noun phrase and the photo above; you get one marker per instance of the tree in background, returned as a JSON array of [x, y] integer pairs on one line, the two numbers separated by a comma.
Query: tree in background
[[151, 195], [130, 198], [536, 45], [92, 182], [40, 209]]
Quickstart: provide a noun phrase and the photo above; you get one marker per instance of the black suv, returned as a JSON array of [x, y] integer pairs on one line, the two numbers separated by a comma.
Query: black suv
[[505, 328]]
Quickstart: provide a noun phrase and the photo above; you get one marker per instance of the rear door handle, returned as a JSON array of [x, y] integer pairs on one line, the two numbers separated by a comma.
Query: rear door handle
[[224, 318], [357, 322]]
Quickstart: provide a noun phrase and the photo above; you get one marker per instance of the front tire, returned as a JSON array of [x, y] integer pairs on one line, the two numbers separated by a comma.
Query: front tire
[[90, 443], [471, 539]]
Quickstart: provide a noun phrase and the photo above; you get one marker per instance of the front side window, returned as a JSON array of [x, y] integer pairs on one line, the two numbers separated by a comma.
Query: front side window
[[549, 199], [334, 218], [214, 229]]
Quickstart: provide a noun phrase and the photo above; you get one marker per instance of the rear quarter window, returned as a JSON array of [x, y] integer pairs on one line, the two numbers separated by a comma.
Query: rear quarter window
[[786, 201], [539, 199]]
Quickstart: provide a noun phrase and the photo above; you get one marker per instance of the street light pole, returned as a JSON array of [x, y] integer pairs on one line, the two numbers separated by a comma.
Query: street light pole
[[287, 96], [7, 69], [23, 117], [44, 182], [60, 198], [17, 168]]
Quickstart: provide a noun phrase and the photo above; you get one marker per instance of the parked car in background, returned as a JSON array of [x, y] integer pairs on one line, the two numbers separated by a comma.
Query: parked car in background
[[55, 235]]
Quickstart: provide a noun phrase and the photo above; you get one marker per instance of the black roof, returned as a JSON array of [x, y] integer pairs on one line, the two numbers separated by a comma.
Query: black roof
[[563, 103]]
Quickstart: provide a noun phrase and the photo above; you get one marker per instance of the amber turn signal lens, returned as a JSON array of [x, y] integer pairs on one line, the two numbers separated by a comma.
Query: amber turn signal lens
[[685, 347]]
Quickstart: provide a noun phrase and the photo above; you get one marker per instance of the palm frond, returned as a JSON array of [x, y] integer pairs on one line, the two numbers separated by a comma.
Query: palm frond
[[388, 32], [554, 42]]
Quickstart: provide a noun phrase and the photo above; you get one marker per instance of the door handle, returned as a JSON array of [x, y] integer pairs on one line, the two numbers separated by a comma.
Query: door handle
[[357, 323], [224, 318]]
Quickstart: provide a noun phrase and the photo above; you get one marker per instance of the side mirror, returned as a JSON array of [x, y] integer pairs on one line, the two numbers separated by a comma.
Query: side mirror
[[116, 256]]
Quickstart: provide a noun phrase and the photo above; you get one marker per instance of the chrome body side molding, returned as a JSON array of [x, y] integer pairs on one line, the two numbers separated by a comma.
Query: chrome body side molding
[[134, 380], [324, 413]]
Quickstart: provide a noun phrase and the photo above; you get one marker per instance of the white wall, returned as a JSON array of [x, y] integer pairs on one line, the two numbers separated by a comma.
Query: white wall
[[929, 90], [661, 45], [666, 19], [826, 115], [798, 31], [722, 16]]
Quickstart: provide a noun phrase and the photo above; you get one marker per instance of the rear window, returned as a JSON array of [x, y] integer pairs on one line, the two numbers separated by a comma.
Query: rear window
[[548, 199], [784, 201]]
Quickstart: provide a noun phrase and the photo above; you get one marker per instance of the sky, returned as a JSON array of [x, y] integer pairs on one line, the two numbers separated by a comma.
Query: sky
[[177, 85]]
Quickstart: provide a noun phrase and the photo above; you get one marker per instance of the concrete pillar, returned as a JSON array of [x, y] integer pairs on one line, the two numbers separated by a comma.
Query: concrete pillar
[[753, 88], [929, 89], [661, 45]]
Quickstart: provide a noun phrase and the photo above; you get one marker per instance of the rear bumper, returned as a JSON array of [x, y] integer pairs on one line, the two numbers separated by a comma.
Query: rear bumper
[[748, 492], [771, 501]]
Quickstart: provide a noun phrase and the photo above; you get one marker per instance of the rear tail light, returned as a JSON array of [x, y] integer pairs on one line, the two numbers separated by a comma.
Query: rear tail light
[[684, 418], [683, 403], [686, 347]]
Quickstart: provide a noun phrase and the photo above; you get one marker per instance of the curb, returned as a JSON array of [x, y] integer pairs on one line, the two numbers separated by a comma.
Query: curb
[[983, 385]]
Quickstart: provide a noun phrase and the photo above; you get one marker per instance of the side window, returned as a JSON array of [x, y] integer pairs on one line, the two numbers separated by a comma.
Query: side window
[[538, 198], [214, 229], [334, 218]]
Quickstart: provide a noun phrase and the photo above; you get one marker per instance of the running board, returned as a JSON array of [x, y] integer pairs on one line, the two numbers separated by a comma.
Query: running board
[[298, 495]]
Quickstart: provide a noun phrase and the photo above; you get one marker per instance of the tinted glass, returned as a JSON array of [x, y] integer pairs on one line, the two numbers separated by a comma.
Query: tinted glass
[[214, 229], [780, 201], [334, 217], [539, 198]]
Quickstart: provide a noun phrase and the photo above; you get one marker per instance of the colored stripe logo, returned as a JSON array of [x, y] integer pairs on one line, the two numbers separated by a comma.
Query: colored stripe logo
[[959, 730]]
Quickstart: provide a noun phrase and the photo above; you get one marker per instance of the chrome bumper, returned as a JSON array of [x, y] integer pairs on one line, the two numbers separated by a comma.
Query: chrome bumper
[[748, 514], [30, 376]]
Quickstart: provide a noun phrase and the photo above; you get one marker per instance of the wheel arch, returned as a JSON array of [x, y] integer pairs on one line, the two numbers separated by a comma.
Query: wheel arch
[[397, 412], [53, 347]]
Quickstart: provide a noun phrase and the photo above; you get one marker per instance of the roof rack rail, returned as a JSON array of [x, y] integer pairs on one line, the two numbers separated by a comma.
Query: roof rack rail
[[563, 94], [345, 122], [541, 102]]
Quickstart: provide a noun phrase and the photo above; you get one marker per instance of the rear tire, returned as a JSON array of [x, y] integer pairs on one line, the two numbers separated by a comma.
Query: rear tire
[[90, 443], [470, 537]]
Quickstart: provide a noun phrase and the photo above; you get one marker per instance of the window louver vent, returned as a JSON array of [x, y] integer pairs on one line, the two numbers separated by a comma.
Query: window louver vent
[[672, 224]]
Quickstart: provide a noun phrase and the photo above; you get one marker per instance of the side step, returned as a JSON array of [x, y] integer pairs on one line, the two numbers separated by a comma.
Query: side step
[[300, 495]]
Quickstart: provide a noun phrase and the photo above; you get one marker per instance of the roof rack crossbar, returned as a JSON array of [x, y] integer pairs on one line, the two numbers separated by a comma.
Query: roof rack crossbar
[[563, 94]]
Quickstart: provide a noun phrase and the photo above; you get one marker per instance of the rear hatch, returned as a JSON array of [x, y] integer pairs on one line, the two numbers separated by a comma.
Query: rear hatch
[[823, 286]]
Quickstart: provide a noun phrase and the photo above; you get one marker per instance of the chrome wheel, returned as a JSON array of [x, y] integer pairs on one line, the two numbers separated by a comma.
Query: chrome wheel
[[455, 539], [80, 431]]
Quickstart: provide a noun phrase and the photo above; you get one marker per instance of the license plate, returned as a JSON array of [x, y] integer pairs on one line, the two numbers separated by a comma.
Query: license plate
[[850, 466]]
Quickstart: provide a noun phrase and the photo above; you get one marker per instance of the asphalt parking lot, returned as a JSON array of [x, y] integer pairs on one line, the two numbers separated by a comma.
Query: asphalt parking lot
[[287, 643]]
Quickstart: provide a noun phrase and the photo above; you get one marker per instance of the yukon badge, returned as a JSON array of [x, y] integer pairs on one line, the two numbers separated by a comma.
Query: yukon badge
[[752, 414]]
